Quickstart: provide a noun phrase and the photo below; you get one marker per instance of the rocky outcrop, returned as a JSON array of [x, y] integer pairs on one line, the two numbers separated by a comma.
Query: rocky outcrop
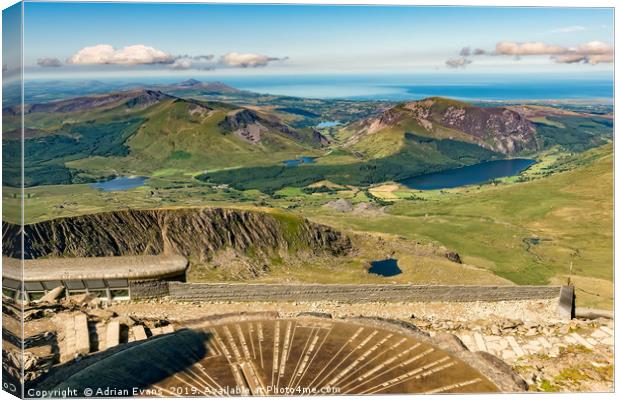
[[505, 130], [497, 128], [196, 233], [146, 98], [250, 125], [454, 257]]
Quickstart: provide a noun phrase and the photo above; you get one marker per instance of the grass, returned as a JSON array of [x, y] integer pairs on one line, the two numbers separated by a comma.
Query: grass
[[570, 213], [419, 265], [92, 145], [524, 232], [419, 155]]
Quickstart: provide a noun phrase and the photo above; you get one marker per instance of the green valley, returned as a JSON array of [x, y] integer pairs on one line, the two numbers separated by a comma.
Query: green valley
[[206, 144]]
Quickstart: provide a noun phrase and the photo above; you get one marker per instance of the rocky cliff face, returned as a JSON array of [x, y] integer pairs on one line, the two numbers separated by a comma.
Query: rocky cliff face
[[196, 233]]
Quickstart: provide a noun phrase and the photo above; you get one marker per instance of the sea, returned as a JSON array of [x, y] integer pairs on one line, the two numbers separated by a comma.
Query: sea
[[413, 87], [592, 86]]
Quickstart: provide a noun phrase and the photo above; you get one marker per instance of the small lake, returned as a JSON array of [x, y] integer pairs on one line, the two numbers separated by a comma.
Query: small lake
[[300, 160], [387, 267], [120, 183], [471, 175], [328, 124]]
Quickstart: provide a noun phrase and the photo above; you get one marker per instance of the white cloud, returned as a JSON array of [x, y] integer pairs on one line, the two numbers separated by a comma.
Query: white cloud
[[595, 47], [143, 55], [246, 60], [568, 29], [129, 55], [181, 63], [593, 53], [600, 58], [460, 62], [185, 61], [48, 62], [464, 58], [527, 49]]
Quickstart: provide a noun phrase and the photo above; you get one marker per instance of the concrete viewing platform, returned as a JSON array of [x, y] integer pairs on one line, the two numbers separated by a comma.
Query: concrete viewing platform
[[107, 277], [130, 267]]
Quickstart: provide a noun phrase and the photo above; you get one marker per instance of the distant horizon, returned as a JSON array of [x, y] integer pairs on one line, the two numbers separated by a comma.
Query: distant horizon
[[392, 87]]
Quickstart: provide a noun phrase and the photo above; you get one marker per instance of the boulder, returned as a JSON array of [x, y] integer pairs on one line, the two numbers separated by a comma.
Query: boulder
[[453, 256]]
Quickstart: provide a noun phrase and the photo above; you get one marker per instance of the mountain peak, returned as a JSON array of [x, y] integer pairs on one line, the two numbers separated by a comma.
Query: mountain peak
[[190, 82], [213, 87], [436, 102], [146, 97]]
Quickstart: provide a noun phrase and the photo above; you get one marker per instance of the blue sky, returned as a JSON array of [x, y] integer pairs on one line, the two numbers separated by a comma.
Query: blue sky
[[311, 39]]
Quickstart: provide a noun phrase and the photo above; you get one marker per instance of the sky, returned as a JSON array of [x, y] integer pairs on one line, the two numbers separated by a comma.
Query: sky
[[117, 40]]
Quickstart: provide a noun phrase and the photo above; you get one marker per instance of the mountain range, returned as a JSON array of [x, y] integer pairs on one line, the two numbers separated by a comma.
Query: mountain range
[[148, 130]]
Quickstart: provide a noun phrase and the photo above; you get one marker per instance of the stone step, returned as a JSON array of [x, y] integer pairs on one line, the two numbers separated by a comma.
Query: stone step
[[512, 342], [608, 341], [581, 340], [76, 337], [607, 330], [138, 332], [82, 337], [544, 342], [155, 331], [599, 334], [480, 344], [569, 339], [112, 334]]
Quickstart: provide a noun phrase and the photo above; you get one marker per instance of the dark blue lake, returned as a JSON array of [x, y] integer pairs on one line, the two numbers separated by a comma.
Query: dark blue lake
[[300, 160], [471, 175], [387, 267], [120, 183]]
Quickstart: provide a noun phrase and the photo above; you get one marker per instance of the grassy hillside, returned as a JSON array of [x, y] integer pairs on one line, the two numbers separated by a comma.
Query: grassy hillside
[[144, 135], [418, 155], [525, 232], [528, 232], [175, 136]]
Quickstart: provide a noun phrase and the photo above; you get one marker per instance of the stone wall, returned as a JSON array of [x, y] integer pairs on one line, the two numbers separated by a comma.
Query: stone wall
[[355, 293], [148, 289]]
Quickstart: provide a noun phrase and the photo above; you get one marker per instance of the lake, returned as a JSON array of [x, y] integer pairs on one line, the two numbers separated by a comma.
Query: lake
[[328, 124], [471, 175], [300, 160], [387, 267], [120, 183]]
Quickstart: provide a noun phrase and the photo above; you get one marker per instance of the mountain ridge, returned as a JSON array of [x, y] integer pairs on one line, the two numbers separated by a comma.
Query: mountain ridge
[[495, 128]]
